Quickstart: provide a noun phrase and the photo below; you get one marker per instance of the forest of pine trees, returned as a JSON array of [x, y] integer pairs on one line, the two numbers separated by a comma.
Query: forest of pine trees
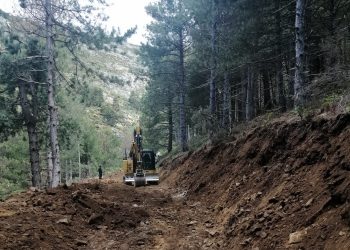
[[216, 63], [46, 96], [211, 66]]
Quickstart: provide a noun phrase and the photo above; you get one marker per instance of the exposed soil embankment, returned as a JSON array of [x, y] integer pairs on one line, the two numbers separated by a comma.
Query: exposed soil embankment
[[284, 185]]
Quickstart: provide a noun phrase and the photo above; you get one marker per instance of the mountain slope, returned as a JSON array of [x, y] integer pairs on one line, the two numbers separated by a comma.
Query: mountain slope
[[124, 66], [96, 111]]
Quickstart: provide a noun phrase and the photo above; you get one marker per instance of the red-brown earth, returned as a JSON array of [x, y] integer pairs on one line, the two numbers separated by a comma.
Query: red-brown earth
[[282, 185]]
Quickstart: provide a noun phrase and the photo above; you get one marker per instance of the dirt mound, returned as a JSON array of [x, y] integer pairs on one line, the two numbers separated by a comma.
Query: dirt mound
[[284, 185], [67, 216]]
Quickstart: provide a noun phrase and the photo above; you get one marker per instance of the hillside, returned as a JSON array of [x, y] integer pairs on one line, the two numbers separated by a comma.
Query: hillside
[[123, 64], [284, 185], [97, 97]]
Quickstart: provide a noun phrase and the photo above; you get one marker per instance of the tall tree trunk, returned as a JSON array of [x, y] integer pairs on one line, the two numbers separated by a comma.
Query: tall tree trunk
[[53, 112], [256, 96], [79, 163], [244, 86], [259, 95], [170, 127], [279, 65], [183, 132], [227, 107], [237, 106], [299, 79], [290, 86], [333, 58], [267, 90], [345, 49], [49, 167], [66, 173], [30, 119], [250, 95], [213, 62], [70, 173]]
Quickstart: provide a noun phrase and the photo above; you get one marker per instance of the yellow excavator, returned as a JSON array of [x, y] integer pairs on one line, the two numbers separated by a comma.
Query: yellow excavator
[[139, 166]]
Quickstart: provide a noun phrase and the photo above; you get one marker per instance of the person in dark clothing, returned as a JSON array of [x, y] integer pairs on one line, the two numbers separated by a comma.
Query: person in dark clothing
[[100, 172]]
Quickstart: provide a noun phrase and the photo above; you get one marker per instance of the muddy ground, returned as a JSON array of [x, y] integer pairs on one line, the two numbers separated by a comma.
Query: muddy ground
[[283, 185]]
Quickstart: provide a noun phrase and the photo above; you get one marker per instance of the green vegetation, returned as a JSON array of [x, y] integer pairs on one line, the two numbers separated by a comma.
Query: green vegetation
[[15, 167], [92, 95], [210, 67], [242, 59]]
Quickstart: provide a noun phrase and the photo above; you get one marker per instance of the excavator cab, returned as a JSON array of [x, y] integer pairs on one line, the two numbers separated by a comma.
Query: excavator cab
[[149, 166], [148, 159]]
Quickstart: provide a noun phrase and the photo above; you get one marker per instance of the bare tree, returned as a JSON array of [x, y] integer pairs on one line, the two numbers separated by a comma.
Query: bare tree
[[279, 63], [249, 112], [182, 86], [213, 58], [299, 79], [53, 114], [227, 106]]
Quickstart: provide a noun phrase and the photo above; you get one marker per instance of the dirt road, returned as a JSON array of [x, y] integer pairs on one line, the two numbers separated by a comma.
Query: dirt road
[[105, 215], [282, 186]]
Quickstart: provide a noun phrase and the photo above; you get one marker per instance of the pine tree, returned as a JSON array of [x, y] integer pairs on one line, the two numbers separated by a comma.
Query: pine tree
[[299, 85], [68, 23], [169, 33], [22, 69]]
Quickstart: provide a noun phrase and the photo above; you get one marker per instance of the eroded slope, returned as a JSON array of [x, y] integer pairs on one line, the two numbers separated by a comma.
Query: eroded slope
[[281, 185]]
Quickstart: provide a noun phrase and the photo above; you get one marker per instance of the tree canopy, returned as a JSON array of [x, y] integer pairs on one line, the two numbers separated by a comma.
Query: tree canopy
[[69, 89], [242, 59]]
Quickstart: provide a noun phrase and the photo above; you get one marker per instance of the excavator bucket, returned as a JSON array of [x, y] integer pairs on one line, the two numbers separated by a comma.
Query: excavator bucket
[[139, 178], [139, 181], [152, 179]]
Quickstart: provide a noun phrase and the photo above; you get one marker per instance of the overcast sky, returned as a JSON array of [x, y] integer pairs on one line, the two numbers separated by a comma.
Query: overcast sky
[[122, 13]]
